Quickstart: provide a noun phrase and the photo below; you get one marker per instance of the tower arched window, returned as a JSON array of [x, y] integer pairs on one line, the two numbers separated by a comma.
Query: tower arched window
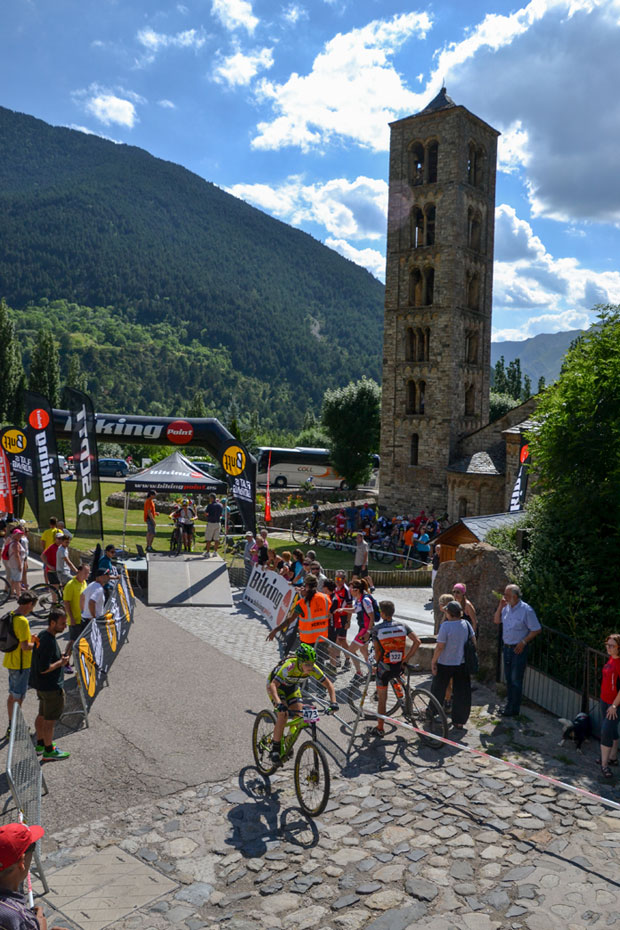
[[474, 229], [421, 396], [432, 158], [411, 397], [473, 291], [417, 228], [470, 401], [413, 454], [421, 345], [476, 163], [462, 507], [416, 287], [429, 216], [429, 286], [411, 349], [427, 333], [416, 163]]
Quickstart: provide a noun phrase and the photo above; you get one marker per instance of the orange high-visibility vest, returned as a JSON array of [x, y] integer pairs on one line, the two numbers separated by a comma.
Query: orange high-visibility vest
[[314, 620]]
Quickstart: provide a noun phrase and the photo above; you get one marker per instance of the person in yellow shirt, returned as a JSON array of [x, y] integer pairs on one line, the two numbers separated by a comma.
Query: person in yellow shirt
[[18, 661], [48, 536], [71, 595]]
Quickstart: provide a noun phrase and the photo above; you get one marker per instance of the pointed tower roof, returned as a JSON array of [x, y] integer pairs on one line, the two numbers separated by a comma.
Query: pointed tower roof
[[440, 102]]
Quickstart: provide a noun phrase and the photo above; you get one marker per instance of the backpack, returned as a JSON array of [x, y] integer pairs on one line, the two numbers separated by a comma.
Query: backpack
[[8, 640], [5, 551], [375, 606]]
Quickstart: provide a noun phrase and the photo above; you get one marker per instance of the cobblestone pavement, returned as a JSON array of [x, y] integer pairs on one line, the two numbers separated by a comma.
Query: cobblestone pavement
[[412, 837]]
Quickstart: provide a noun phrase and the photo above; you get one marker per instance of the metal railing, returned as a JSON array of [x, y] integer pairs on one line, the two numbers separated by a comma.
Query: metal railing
[[563, 674]]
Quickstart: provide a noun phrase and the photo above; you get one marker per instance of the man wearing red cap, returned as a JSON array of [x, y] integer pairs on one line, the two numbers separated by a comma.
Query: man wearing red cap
[[17, 843]]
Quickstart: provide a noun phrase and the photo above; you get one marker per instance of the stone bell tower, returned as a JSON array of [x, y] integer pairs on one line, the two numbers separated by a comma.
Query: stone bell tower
[[439, 276]]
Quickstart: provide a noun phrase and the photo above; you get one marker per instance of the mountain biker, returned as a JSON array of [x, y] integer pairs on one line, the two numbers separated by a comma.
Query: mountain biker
[[363, 607], [390, 642], [284, 691], [184, 516], [315, 521]]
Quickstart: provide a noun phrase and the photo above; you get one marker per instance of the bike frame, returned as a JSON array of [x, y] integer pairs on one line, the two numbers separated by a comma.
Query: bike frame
[[293, 728]]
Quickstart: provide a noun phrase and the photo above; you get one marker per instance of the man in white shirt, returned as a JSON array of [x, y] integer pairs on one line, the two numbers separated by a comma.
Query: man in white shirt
[[92, 601], [65, 568]]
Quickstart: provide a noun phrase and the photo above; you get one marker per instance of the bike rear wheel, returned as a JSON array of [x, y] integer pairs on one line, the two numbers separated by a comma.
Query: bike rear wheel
[[424, 711], [311, 779], [262, 738], [301, 531], [48, 597]]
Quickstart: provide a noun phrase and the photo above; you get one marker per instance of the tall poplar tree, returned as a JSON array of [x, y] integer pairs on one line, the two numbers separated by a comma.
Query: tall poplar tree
[[45, 367], [10, 364]]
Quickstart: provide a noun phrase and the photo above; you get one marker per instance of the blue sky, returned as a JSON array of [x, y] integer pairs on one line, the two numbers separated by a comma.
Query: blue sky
[[286, 104]]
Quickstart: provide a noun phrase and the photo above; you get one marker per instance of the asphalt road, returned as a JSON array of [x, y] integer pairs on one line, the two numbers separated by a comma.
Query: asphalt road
[[170, 719]]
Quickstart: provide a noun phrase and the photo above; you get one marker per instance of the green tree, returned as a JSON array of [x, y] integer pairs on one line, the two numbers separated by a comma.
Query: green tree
[[526, 391], [513, 378], [10, 364], [576, 519], [541, 385], [351, 418], [45, 367], [500, 383], [76, 378], [197, 407], [499, 404]]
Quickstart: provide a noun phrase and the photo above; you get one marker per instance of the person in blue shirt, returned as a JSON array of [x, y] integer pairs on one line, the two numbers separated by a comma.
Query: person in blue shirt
[[367, 515], [519, 627]]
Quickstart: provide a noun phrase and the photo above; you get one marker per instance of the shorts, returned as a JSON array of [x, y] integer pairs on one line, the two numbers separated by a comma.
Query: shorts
[[18, 682], [52, 577], [386, 671], [13, 574], [288, 694], [151, 526], [64, 579], [332, 633], [212, 532], [362, 634], [76, 630], [360, 572], [187, 528], [51, 704]]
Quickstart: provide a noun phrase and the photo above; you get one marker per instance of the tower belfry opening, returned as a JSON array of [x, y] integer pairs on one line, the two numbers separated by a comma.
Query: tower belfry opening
[[439, 273]]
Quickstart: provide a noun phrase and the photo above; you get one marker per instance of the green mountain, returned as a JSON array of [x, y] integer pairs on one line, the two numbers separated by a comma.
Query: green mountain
[[540, 355], [164, 284]]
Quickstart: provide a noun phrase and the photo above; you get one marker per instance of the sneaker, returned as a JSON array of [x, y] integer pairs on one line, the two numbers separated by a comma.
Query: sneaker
[[347, 664], [69, 670], [40, 748], [378, 732], [55, 754], [274, 756]]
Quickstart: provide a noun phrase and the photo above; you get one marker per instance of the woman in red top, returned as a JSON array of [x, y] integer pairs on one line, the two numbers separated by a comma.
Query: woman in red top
[[610, 699]]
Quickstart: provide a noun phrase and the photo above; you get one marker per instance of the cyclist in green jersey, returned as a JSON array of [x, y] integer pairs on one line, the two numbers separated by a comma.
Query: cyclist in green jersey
[[284, 691]]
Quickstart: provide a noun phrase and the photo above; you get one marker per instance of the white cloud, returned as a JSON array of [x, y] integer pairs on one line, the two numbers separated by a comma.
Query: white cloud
[[370, 259], [166, 104], [352, 209], [154, 42], [109, 105], [294, 12], [528, 278], [239, 69], [235, 14], [353, 89]]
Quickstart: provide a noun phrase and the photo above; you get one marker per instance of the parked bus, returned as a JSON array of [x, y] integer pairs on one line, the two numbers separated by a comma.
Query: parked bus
[[291, 467]]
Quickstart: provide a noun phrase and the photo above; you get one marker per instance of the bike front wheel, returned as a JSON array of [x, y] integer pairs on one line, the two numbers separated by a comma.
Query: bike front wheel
[[47, 596], [301, 532], [424, 711], [311, 779], [262, 738]]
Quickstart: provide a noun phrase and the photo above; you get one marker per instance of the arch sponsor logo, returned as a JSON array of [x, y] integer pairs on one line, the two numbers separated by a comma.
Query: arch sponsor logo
[[87, 667], [233, 460], [14, 441], [39, 418], [180, 432]]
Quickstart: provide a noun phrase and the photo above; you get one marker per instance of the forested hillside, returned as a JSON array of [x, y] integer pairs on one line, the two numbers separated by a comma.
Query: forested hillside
[[199, 288]]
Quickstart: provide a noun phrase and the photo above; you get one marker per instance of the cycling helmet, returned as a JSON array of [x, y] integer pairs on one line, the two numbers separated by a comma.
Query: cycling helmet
[[306, 653], [185, 502]]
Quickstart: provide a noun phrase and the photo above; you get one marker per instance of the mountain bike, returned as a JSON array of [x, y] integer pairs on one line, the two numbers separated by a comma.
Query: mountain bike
[[176, 539], [418, 706], [384, 550], [311, 771], [305, 531], [49, 596]]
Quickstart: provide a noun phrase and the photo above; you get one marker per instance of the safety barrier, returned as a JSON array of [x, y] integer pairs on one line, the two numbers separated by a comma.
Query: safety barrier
[[100, 643], [25, 778]]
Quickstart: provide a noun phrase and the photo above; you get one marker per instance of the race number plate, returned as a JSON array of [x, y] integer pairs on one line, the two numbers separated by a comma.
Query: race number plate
[[310, 712], [396, 655]]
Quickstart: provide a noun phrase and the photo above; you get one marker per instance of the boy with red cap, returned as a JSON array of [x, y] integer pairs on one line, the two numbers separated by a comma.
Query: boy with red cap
[[17, 842]]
